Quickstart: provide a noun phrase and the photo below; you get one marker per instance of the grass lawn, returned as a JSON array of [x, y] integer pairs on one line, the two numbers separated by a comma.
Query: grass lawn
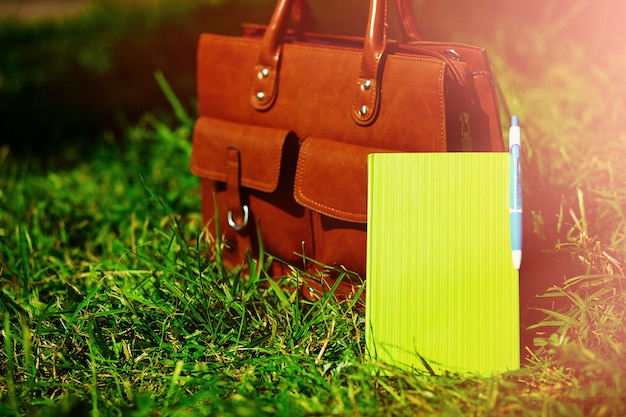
[[110, 306]]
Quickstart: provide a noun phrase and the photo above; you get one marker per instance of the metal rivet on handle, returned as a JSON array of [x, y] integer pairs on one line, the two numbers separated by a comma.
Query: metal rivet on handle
[[366, 85], [363, 110], [260, 95], [264, 73]]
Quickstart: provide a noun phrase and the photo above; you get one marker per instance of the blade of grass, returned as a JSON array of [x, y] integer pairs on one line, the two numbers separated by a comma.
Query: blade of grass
[[10, 369], [178, 108]]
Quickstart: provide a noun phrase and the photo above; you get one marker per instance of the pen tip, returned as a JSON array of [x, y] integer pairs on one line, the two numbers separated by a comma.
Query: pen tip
[[514, 121], [517, 258]]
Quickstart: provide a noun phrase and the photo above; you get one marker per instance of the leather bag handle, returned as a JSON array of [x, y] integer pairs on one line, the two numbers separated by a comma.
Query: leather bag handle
[[409, 26], [410, 32], [365, 104]]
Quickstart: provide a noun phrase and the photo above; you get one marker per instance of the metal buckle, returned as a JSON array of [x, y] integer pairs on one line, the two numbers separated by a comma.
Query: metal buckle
[[231, 222]]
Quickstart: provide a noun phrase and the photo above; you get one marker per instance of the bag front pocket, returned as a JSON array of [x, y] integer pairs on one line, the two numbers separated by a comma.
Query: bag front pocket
[[247, 180], [331, 181], [260, 150]]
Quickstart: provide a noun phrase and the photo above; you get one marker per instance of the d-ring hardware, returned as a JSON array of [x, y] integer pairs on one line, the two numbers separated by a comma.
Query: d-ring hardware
[[231, 222]]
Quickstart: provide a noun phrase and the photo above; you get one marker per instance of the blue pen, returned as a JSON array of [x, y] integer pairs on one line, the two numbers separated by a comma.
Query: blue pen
[[515, 192]]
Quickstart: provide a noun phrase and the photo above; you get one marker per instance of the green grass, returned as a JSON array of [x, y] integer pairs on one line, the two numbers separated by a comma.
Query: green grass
[[113, 302]]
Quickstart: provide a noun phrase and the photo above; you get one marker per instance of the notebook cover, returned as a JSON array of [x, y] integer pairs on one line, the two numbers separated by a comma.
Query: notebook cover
[[442, 293]]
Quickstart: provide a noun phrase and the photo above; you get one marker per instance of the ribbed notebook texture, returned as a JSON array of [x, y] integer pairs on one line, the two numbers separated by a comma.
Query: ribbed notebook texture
[[442, 292]]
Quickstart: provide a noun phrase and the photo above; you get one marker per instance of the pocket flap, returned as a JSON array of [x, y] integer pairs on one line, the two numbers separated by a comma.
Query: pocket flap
[[331, 178], [260, 149]]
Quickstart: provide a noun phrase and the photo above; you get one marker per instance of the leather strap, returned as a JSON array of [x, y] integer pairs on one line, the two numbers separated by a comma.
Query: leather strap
[[264, 84], [303, 16], [236, 215], [237, 212], [365, 105], [409, 28]]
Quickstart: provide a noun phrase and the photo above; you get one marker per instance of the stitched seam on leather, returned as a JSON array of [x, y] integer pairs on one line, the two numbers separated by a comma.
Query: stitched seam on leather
[[275, 173], [313, 203], [386, 17], [371, 96], [279, 140], [260, 84], [274, 76], [375, 90], [441, 95], [442, 109]]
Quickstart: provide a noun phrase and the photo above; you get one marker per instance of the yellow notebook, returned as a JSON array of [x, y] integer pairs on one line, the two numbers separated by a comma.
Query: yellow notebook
[[442, 292]]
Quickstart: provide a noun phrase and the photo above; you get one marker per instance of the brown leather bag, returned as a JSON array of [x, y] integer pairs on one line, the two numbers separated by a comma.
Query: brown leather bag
[[287, 119]]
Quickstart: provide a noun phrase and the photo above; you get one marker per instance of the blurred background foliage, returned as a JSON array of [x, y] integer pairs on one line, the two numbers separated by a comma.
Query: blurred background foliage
[[73, 69], [69, 74]]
